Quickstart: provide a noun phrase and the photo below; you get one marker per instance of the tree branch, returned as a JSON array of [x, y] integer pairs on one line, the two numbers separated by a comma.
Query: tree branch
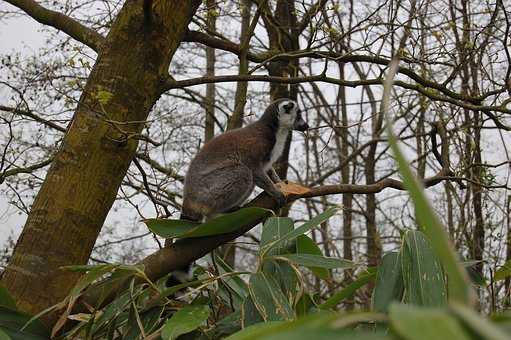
[[265, 57], [221, 44], [25, 170], [185, 251], [35, 117], [61, 22], [448, 97], [313, 10]]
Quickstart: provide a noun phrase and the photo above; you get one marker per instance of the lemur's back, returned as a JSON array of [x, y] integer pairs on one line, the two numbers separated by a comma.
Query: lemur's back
[[225, 170], [220, 176]]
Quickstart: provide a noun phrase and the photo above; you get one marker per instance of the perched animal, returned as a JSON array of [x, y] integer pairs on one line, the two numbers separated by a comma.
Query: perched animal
[[225, 170]]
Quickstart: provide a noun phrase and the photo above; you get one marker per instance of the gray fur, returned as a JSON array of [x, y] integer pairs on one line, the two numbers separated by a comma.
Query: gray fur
[[224, 172]]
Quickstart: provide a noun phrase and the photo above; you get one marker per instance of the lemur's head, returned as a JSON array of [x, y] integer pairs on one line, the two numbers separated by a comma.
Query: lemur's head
[[287, 114]]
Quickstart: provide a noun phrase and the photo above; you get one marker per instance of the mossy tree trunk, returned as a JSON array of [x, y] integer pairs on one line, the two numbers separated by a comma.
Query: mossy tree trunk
[[82, 183]]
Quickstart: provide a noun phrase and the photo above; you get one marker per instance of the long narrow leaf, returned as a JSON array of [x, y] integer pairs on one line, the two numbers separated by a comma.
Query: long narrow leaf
[[313, 223], [222, 224], [184, 321], [309, 260], [423, 276], [349, 290], [459, 284], [389, 283], [478, 324], [413, 323], [305, 245], [269, 299]]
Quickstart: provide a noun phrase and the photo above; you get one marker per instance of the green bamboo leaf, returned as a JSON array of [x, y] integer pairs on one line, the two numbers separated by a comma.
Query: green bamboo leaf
[[473, 273], [305, 304], [503, 272], [112, 312], [150, 320], [479, 325], [389, 283], [6, 300], [274, 229], [349, 290], [423, 276], [269, 299], [234, 282], [459, 284], [228, 223], [92, 275], [321, 325], [285, 277], [307, 226], [250, 315], [223, 224], [254, 330], [3, 335], [12, 323], [413, 323], [309, 260], [305, 245], [168, 228], [184, 321]]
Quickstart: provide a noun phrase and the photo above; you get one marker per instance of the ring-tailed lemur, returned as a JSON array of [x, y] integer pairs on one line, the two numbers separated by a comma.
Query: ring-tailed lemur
[[223, 173], [225, 170]]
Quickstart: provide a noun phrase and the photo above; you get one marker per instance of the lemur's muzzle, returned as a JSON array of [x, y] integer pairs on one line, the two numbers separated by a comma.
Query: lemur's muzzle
[[300, 124]]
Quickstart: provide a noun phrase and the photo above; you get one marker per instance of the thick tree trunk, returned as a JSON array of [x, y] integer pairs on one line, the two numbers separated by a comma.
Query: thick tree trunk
[[507, 282], [100, 142]]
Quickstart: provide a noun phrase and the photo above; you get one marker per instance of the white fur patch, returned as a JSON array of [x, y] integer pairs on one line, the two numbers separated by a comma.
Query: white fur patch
[[278, 148], [286, 121]]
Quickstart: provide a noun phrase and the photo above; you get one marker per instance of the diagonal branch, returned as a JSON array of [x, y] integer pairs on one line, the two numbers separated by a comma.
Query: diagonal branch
[[61, 22], [35, 117], [25, 170], [311, 13], [184, 251]]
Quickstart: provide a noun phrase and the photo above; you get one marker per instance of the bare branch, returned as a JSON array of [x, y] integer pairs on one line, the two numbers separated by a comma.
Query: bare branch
[[25, 170], [61, 22], [311, 13], [33, 116], [466, 103]]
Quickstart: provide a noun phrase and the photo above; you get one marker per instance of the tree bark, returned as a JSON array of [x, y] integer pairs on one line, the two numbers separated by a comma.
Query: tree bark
[[82, 183], [283, 37], [210, 72], [240, 98]]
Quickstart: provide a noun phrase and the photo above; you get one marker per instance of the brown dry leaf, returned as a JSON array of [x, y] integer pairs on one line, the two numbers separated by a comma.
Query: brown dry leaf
[[291, 188], [63, 317]]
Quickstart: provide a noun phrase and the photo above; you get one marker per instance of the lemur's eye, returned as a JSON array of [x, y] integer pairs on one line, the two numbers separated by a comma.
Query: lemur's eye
[[288, 107]]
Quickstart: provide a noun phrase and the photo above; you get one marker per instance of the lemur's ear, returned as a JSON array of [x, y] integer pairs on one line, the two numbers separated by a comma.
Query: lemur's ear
[[288, 107]]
